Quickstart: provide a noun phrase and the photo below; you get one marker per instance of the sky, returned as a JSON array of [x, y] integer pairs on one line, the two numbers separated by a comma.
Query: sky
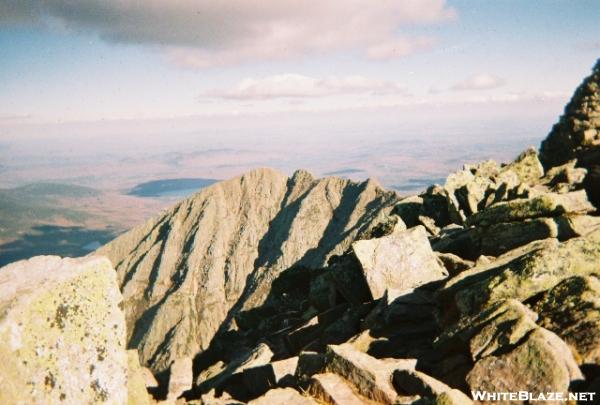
[[115, 69]]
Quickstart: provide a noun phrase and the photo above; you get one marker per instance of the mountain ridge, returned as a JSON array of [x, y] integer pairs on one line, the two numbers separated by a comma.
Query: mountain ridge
[[297, 215]]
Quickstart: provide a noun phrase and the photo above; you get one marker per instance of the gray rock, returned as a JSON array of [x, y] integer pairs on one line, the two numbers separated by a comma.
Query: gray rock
[[524, 272], [309, 364], [62, 334], [371, 377], [454, 264], [542, 363], [527, 166], [398, 262], [545, 205], [572, 311]]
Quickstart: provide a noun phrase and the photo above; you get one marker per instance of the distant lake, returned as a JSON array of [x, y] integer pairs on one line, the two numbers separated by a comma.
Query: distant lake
[[417, 185], [170, 187]]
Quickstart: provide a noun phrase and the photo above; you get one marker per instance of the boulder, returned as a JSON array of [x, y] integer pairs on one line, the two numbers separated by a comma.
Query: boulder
[[398, 262], [527, 166], [287, 396], [504, 323], [332, 389], [454, 264], [592, 184], [412, 382], [545, 205], [62, 334], [572, 311], [136, 381], [372, 377], [568, 174], [523, 273], [309, 364], [180, 377], [539, 364], [260, 379], [221, 374]]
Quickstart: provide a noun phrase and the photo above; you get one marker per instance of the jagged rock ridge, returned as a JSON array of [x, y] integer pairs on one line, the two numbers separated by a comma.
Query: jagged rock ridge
[[186, 273]]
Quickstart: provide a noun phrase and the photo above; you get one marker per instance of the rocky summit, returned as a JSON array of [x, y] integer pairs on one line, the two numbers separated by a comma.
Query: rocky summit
[[268, 289]]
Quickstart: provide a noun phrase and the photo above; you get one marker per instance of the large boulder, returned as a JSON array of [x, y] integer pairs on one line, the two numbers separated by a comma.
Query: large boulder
[[137, 381], [372, 377], [510, 352], [527, 166], [523, 273], [62, 334], [332, 389], [572, 311], [540, 364], [398, 262], [545, 205]]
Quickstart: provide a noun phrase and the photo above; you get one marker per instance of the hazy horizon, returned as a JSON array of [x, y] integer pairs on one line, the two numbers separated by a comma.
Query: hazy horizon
[[110, 94]]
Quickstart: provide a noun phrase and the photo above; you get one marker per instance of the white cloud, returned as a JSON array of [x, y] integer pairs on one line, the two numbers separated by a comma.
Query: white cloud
[[483, 81], [202, 33], [291, 85], [399, 47]]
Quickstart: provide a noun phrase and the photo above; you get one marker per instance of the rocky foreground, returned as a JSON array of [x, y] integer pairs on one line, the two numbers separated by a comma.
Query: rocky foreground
[[266, 289]]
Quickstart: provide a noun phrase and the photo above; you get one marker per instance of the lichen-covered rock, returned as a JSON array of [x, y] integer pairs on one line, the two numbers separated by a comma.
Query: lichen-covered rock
[[454, 264], [136, 381], [504, 323], [541, 363], [578, 128], [566, 176], [572, 311], [398, 262], [545, 205], [452, 397], [527, 166], [523, 273], [62, 334]]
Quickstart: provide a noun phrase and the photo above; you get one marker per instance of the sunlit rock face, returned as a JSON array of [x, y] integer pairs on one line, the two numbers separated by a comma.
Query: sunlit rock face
[[62, 333]]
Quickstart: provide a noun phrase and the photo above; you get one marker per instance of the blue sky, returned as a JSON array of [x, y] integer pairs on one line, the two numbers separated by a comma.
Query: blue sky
[[112, 60]]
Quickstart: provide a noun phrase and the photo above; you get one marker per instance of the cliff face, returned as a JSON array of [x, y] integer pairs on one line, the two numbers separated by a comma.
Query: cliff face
[[185, 274]]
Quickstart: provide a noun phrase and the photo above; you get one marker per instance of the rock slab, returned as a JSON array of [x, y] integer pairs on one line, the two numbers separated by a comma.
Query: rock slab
[[398, 262], [62, 334]]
